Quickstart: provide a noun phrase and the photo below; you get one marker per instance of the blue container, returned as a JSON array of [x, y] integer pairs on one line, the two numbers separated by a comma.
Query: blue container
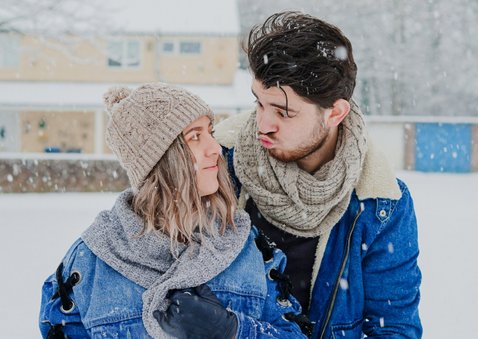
[[443, 147]]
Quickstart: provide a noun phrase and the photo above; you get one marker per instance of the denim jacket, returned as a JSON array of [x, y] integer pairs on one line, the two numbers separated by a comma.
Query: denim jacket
[[365, 277], [368, 281], [106, 304]]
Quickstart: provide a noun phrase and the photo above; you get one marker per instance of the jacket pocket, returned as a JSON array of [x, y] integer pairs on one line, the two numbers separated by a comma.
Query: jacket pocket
[[347, 331], [132, 328]]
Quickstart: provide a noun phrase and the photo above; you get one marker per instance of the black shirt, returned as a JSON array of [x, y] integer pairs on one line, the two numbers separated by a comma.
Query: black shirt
[[300, 253]]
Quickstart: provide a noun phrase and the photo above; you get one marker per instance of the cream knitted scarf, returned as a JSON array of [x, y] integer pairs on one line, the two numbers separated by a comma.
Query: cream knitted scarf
[[293, 200]]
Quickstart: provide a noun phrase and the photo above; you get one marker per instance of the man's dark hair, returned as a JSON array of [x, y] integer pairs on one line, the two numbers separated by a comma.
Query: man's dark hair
[[311, 56]]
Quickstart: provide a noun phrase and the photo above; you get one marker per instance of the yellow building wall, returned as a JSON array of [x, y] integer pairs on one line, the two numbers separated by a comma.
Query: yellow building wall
[[66, 130], [78, 59], [85, 59], [215, 64]]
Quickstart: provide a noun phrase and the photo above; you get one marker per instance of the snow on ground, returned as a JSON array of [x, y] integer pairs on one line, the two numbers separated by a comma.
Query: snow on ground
[[37, 229]]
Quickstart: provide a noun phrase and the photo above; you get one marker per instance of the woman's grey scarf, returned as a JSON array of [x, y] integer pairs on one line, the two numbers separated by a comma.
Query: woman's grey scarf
[[148, 261], [291, 199]]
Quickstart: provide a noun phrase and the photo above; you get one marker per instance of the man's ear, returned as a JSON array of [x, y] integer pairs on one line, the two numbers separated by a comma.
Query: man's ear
[[335, 115]]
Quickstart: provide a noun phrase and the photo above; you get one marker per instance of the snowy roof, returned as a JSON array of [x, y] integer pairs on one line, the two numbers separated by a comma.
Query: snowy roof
[[178, 16], [211, 17], [34, 95]]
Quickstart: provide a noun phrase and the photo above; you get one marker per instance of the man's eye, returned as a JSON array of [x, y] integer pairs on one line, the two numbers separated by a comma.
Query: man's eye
[[286, 114], [257, 103], [283, 114]]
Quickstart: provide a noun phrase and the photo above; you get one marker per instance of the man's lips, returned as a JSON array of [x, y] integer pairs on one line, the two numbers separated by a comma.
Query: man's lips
[[266, 142]]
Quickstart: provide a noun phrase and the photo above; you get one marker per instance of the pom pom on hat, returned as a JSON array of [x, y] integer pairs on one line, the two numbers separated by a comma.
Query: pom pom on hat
[[114, 96]]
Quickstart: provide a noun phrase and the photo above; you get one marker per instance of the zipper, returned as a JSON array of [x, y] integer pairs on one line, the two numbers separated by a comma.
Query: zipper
[[342, 269]]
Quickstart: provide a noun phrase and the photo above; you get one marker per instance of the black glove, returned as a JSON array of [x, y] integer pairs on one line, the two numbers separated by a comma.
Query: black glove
[[197, 313]]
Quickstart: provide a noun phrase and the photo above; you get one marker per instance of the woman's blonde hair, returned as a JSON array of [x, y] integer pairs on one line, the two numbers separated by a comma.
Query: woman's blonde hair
[[169, 200]]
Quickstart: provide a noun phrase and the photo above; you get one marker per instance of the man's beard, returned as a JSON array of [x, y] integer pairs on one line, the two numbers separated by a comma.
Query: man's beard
[[304, 150]]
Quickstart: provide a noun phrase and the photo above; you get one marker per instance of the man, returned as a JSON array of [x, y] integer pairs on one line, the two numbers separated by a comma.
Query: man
[[314, 184]]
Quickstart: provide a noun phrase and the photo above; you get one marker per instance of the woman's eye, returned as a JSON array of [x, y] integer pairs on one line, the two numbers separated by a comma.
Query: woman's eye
[[195, 137]]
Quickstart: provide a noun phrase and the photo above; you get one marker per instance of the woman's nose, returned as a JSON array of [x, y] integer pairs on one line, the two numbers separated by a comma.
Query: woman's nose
[[213, 146]]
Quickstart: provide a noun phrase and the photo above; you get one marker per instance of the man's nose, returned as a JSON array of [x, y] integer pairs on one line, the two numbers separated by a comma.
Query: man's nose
[[266, 122]]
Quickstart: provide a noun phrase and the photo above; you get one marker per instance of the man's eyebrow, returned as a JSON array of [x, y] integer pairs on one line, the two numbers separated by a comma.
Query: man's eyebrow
[[284, 108]]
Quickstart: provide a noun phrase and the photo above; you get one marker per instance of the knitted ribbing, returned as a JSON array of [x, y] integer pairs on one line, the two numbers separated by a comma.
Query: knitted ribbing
[[292, 199]]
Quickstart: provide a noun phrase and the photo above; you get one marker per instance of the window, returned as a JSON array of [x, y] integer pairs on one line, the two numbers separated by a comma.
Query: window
[[188, 47], [124, 54], [9, 50], [168, 47]]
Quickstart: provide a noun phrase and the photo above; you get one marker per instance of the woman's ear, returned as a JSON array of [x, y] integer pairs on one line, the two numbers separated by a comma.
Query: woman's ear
[[335, 115]]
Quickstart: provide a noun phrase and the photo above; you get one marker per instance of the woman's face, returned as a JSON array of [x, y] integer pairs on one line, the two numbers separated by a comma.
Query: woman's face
[[206, 151]]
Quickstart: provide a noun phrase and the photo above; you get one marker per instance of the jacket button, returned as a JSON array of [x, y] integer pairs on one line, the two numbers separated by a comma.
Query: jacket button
[[383, 213]]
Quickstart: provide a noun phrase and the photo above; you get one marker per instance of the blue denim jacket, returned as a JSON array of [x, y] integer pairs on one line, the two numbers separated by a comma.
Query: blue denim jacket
[[109, 305], [367, 281]]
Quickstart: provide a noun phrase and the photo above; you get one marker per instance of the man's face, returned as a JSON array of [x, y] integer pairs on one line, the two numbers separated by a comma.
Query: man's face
[[288, 138]]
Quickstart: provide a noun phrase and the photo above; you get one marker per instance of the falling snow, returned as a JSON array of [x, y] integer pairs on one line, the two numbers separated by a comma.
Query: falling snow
[[344, 284], [341, 53], [390, 248]]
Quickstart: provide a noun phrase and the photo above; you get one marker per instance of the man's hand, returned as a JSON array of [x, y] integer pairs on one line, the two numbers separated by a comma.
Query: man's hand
[[197, 313]]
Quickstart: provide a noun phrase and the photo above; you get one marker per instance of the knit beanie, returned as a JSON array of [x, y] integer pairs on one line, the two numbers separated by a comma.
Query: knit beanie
[[144, 122]]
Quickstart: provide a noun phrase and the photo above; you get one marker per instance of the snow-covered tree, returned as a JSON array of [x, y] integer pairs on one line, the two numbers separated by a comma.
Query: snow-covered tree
[[414, 57]]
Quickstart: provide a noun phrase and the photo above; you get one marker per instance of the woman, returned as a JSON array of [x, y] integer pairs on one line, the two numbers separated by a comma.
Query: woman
[[173, 257]]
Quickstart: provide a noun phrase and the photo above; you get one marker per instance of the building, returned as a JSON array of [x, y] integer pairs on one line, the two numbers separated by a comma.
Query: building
[[51, 87]]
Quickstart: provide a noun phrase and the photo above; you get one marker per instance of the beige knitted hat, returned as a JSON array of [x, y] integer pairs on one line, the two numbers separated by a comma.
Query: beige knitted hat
[[144, 122]]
